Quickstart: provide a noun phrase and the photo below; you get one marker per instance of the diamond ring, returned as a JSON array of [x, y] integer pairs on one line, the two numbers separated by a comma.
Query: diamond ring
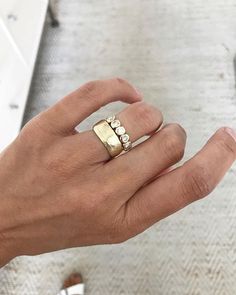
[[113, 136], [120, 132]]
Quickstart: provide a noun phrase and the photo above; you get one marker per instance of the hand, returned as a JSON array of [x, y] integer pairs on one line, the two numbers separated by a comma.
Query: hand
[[59, 189]]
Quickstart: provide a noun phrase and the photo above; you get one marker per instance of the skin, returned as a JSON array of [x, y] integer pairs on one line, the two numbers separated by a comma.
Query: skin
[[60, 189]]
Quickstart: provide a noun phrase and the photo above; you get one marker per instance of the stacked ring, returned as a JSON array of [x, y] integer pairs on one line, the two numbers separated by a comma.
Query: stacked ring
[[120, 132], [113, 135]]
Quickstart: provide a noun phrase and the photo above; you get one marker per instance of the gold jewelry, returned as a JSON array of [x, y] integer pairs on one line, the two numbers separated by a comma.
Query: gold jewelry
[[113, 136], [121, 132], [108, 137]]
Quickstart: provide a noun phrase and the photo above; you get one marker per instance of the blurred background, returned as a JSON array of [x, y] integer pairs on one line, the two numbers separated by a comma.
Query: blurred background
[[180, 54]]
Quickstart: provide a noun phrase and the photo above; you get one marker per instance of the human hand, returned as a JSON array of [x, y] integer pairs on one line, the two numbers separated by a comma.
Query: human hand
[[59, 189]]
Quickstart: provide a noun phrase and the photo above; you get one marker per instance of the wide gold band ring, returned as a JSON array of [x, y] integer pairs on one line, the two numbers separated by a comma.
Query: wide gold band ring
[[108, 137], [113, 136]]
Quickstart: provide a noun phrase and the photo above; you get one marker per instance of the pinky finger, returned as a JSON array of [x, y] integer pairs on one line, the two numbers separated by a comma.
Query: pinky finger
[[194, 180]]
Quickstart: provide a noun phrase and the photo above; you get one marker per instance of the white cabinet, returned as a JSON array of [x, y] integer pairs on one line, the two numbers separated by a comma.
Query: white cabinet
[[21, 25]]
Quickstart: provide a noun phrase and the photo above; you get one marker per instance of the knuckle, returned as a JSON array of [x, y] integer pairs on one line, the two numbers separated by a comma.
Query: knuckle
[[32, 142], [151, 117], [91, 89], [197, 183], [174, 143], [28, 132], [179, 128]]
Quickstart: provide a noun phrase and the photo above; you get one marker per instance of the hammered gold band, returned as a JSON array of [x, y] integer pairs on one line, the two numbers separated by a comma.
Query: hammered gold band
[[108, 137]]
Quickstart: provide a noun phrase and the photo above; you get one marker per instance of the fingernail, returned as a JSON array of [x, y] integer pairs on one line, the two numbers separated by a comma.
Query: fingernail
[[231, 132]]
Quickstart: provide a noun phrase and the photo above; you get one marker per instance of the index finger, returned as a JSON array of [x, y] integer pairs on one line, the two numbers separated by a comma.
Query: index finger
[[66, 114]]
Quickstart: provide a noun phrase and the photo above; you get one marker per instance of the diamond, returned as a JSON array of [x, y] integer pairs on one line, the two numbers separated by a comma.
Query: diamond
[[115, 124], [124, 138], [127, 146], [120, 130], [110, 119]]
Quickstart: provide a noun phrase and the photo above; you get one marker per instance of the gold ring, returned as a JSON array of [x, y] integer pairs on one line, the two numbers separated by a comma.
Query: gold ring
[[121, 132], [108, 137], [113, 135]]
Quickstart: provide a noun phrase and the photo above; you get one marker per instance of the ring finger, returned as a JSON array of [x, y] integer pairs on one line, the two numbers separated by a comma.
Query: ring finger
[[139, 119]]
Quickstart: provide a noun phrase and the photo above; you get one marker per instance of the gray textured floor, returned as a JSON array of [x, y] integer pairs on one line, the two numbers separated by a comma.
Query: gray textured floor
[[179, 53]]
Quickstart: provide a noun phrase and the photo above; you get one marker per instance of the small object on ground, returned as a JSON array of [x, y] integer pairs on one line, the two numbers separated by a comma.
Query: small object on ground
[[73, 285], [73, 279]]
